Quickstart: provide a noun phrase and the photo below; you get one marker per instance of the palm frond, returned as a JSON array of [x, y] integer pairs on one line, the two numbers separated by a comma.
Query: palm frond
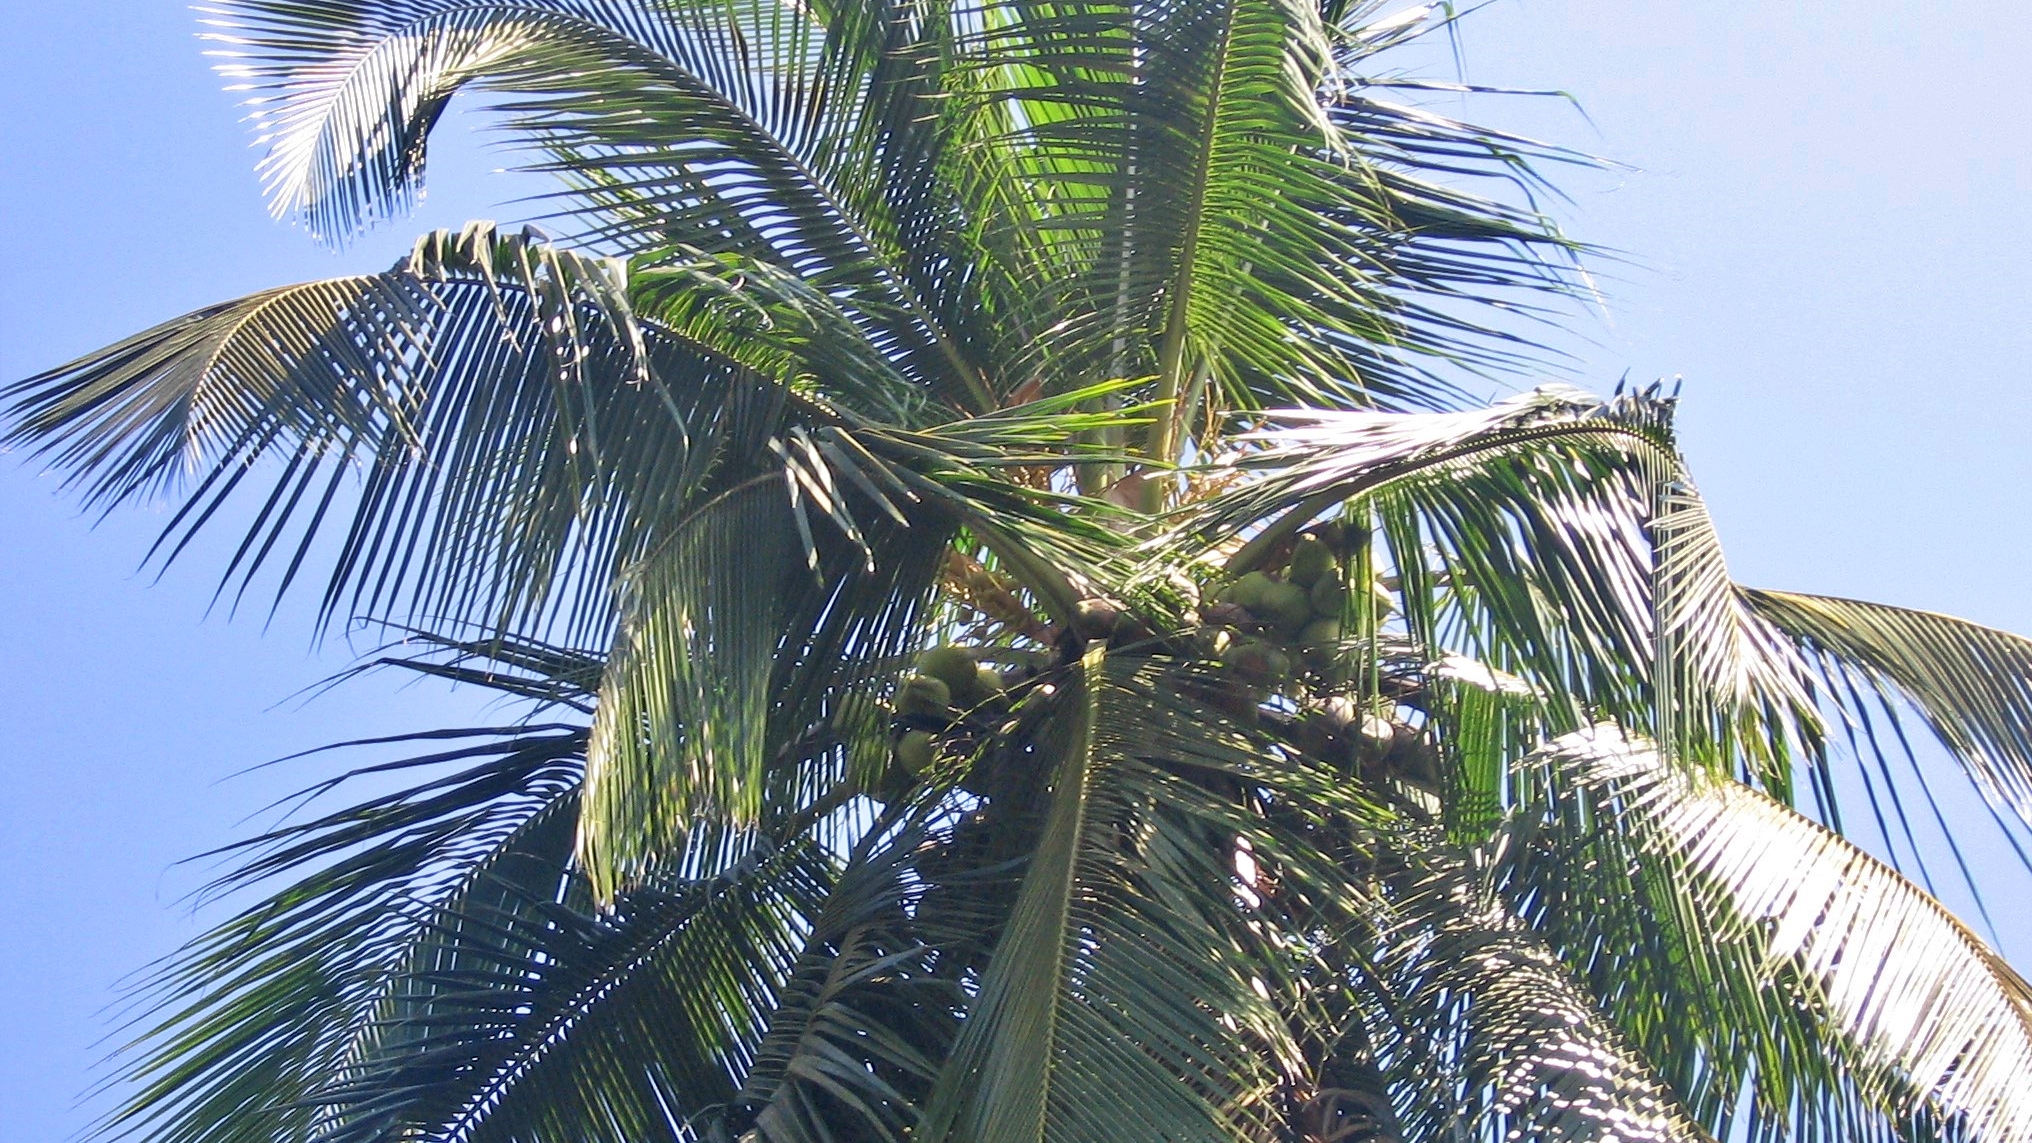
[[1176, 188], [1972, 685], [734, 643], [260, 1015], [546, 674], [864, 1019], [550, 1021], [777, 135], [1747, 1055], [1483, 1031], [1121, 967], [1937, 1021], [512, 428]]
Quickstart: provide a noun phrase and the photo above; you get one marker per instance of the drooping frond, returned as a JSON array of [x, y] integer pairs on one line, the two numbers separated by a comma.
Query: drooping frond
[[263, 1014], [1971, 684], [1937, 1021], [1482, 1029], [865, 1017], [548, 1020], [546, 674], [731, 648], [1750, 1059], [489, 414], [1552, 536]]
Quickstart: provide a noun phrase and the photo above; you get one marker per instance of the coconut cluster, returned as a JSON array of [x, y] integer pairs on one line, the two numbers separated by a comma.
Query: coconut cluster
[[890, 747], [1270, 621], [1257, 631]]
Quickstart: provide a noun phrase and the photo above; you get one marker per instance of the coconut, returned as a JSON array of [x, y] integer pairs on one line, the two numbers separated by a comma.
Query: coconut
[[988, 684], [1258, 661], [1095, 618], [952, 665], [1285, 606], [924, 696], [1309, 561], [1329, 595], [915, 751], [1322, 633], [1247, 592]]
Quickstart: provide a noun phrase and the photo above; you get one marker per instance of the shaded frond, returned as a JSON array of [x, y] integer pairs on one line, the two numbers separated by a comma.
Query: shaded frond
[[1483, 1030], [1123, 966], [260, 1016]]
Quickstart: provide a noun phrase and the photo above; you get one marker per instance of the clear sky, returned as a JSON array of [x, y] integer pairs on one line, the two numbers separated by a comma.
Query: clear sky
[[1826, 236]]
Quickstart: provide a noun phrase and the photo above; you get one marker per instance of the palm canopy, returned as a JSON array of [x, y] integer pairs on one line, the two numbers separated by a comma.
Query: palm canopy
[[1292, 750]]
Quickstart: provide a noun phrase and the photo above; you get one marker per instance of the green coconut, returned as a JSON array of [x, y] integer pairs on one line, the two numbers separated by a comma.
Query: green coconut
[[924, 696], [1309, 561], [988, 684], [1258, 661], [952, 665], [1285, 606], [1322, 633], [1247, 592], [1329, 595], [915, 751]]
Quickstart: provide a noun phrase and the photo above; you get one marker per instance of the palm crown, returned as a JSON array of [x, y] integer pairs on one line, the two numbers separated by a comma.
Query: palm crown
[[1027, 637]]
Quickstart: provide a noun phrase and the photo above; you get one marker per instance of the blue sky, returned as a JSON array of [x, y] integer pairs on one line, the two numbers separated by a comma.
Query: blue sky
[[1824, 232]]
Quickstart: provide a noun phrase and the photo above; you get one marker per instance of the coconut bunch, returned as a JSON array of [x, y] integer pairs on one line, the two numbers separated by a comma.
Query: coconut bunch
[[1297, 613], [942, 705], [1277, 644], [1296, 627]]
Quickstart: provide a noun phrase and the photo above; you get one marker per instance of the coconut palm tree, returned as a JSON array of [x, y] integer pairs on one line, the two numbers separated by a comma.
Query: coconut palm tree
[[1023, 633]]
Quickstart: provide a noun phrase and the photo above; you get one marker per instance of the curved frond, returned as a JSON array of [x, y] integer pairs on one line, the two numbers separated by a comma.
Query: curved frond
[[1971, 684], [497, 425], [732, 648], [780, 135], [262, 1014], [865, 1017], [1936, 1019], [563, 1023], [1483, 1030]]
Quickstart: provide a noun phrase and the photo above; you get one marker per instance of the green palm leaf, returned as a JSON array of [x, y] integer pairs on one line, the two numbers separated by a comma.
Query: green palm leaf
[[1090, 993], [516, 428], [732, 129], [1971, 684], [264, 1013], [1935, 1018]]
